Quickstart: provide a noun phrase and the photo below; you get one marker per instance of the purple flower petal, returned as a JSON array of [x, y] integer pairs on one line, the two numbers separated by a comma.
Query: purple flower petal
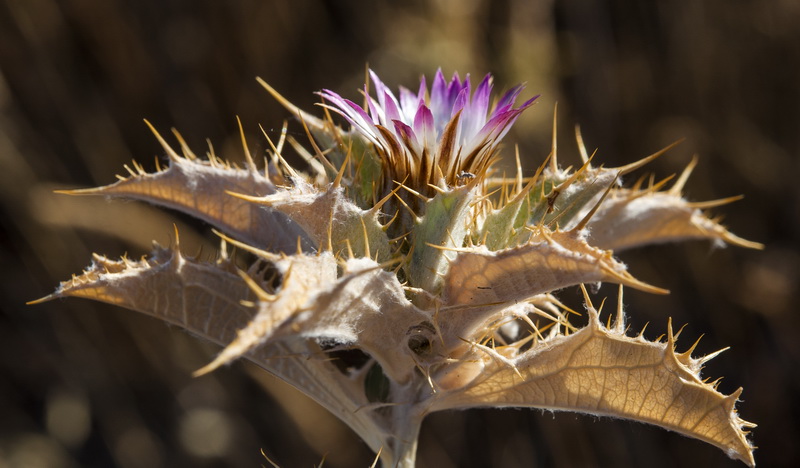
[[512, 117], [423, 88], [416, 123], [460, 102], [480, 101], [390, 111], [380, 88], [375, 111], [408, 104], [358, 116], [495, 126], [439, 103], [423, 126], [403, 130], [474, 117], [529, 102], [354, 115], [341, 107], [408, 136], [508, 98], [454, 88]]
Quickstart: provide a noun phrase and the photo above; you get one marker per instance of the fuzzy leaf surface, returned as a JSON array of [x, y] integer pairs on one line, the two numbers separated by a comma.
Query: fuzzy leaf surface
[[551, 261], [444, 225], [199, 188], [330, 216], [561, 197], [206, 300], [629, 219], [602, 372]]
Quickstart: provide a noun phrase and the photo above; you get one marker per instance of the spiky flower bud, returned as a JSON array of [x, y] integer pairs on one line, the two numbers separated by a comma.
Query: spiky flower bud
[[403, 247]]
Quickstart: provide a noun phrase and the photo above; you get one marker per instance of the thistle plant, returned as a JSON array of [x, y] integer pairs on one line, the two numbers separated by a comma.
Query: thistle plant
[[401, 274]]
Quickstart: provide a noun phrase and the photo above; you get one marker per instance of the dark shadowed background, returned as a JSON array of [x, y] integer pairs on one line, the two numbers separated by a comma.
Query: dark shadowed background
[[83, 384]]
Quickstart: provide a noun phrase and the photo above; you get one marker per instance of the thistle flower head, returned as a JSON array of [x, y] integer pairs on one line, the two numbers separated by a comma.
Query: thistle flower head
[[402, 251], [432, 137]]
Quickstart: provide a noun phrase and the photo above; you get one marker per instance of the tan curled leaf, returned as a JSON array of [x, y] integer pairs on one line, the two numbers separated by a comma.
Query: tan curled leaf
[[602, 372], [203, 298], [562, 197], [481, 284], [367, 307], [206, 299], [549, 261], [364, 308], [629, 219], [201, 189], [301, 277], [330, 217]]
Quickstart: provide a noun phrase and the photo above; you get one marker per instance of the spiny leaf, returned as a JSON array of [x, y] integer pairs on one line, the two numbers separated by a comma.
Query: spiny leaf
[[501, 227], [199, 188], [301, 276], [208, 300], [330, 219], [549, 261], [337, 144], [603, 372], [444, 224], [629, 219], [367, 307], [171, 287], [564, 196]]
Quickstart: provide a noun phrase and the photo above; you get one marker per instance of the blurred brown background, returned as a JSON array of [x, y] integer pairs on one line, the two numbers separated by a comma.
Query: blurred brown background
[[82, 384]]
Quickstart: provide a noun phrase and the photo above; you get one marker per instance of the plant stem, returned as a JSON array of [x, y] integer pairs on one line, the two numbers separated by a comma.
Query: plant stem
[[407, 420]]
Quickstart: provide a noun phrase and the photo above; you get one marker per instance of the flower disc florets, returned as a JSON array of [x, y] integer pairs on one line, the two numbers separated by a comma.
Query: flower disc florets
[[432, 137]]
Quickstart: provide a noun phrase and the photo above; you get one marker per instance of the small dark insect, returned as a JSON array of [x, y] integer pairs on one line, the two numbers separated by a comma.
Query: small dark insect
[[464, 176], [551, 200]]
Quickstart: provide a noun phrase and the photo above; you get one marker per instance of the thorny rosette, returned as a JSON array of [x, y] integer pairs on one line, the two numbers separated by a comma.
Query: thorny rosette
[[401, 277]]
